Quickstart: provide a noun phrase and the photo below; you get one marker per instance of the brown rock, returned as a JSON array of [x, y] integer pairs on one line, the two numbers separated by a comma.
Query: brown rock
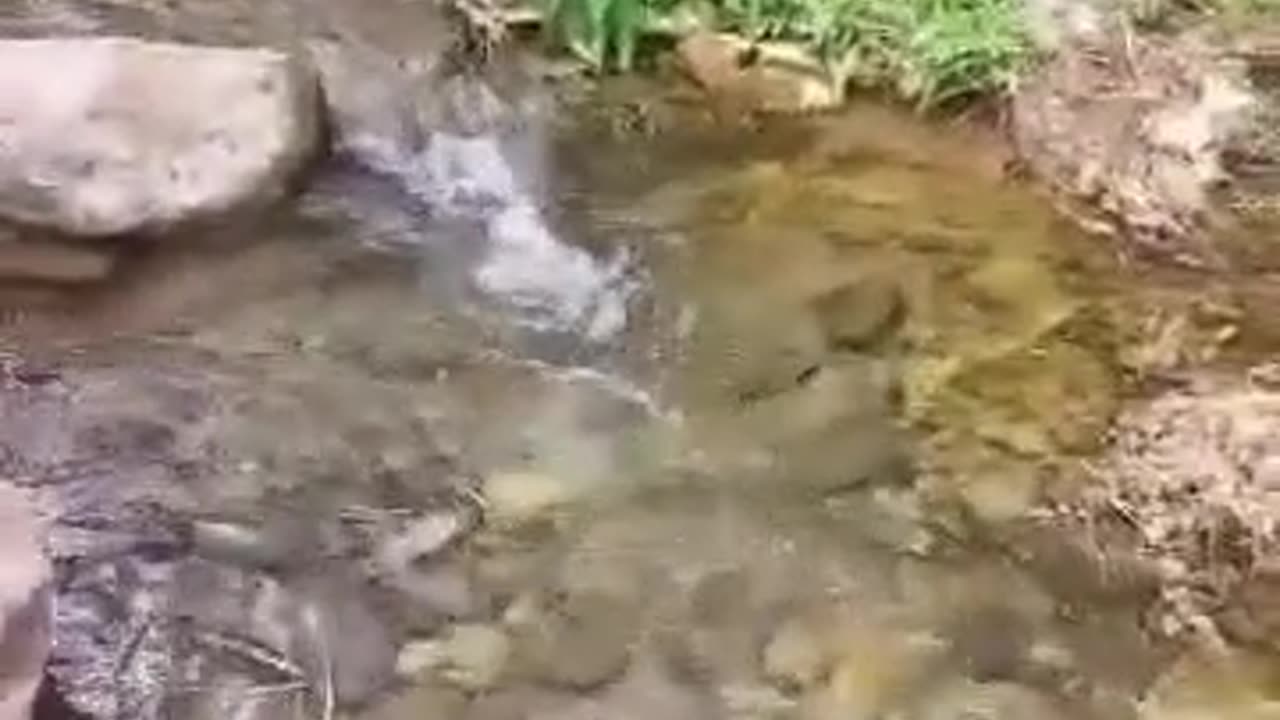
[[53, 262]]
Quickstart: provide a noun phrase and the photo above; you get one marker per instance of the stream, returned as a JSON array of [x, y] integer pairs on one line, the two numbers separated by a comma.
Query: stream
[[612, 408]]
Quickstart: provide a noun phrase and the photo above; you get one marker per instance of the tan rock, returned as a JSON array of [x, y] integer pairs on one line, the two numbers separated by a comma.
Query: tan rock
[[472, 656], [110, 136], [772, 78], [517, 495]]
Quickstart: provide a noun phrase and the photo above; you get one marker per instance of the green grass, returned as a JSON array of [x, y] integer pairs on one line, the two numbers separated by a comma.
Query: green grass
[[927, 51]]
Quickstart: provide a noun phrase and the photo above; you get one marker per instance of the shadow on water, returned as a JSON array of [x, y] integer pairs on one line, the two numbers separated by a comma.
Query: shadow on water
[[702, 421]]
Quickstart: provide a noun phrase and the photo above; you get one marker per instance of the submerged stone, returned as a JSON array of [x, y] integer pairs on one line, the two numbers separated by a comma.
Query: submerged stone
[[860, 315], [795, 656], [516, 496], [583, 643]]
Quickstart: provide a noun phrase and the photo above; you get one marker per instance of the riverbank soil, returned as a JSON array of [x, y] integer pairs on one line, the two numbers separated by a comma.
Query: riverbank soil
[[1153, 126]]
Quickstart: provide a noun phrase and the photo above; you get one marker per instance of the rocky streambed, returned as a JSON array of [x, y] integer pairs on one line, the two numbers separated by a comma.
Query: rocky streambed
[[499, 395]]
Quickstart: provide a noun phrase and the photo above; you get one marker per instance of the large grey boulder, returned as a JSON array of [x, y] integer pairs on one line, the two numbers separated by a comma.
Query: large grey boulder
[[112, 136]]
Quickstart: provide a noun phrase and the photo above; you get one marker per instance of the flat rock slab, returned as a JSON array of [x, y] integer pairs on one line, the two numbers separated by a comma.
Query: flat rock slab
[[53, 262], [105, 137]]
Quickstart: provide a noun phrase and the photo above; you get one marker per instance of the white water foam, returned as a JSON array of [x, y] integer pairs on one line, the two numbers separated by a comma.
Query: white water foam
[[551, 284]]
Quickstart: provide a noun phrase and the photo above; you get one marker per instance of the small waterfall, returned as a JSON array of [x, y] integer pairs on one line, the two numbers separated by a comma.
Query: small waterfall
[[485, 165]]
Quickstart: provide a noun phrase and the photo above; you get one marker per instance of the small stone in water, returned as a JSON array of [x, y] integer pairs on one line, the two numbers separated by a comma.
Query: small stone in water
[[860, 315], [423, 537], [420, 656], [243, 545], [474, 656], [585, 643], [794, 657], [521, 495]]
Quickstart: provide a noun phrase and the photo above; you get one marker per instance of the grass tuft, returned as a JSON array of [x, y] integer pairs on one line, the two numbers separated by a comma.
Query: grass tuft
[[928, 51]]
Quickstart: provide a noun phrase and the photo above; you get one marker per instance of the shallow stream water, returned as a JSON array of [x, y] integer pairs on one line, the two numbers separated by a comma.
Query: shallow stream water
[[620, 410]]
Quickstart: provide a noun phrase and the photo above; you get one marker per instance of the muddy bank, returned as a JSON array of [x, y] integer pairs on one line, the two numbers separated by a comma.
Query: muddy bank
[[1152, 130]]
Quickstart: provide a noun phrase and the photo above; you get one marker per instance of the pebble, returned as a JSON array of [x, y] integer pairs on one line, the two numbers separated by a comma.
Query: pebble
[[472, 656], [518, 495], [420, 656], [794, 658], [422, 538]]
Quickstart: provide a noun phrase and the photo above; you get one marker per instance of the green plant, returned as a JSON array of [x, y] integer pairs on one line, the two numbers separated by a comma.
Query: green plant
[[929, 51], [603, 33]]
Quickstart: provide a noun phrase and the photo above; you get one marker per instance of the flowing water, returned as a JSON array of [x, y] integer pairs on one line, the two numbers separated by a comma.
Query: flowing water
[[614, 409]]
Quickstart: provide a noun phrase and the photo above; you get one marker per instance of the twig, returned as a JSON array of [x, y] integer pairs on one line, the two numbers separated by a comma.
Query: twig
[[312, 619], [252, 651], [1130, 57], [1125, 512], [125, 659], [253, 691]]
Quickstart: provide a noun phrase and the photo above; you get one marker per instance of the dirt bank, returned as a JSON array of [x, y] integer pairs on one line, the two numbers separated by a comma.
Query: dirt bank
[[1150, 130]]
